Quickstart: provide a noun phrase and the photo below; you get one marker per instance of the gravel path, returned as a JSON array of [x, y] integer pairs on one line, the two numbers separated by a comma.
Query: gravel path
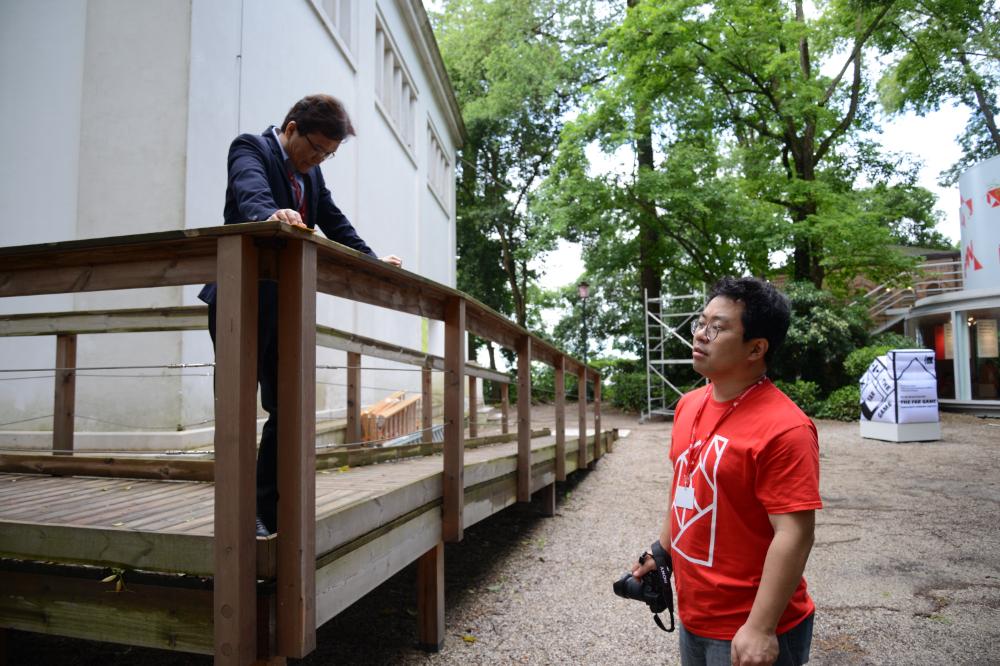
[[906, 568]]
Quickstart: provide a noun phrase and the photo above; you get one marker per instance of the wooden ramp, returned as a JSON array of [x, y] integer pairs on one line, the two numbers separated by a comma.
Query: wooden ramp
[[131, 560], [175, 564]]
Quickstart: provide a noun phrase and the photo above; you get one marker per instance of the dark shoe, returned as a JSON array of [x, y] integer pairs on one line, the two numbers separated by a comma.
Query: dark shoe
[[262, 530]]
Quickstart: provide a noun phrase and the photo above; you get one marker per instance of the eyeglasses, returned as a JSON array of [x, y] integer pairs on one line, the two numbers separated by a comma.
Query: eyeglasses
[[319, 151], [711, 330]]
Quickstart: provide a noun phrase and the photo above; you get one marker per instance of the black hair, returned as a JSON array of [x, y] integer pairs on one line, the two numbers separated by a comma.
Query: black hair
[[320, 113], [766, 313]]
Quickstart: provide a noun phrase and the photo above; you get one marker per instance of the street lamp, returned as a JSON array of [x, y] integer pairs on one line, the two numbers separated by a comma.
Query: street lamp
[[583, 289]]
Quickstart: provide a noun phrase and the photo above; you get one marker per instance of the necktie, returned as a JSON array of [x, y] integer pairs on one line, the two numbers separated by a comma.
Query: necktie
[[300, 198]]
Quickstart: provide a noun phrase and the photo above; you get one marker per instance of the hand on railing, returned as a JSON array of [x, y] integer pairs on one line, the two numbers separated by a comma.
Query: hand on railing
[[289, 216]]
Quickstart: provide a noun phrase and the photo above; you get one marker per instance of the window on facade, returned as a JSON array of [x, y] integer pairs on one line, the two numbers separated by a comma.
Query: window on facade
[[439, 176], [393, 87], [340, 13]]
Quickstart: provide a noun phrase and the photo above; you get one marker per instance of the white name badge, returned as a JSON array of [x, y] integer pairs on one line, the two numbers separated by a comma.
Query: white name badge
[[684, 497]]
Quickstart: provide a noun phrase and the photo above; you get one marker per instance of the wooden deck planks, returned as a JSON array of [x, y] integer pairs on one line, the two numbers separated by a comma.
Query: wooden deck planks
[[349, 504]]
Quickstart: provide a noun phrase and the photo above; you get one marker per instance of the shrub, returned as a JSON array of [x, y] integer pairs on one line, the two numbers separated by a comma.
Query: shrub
[[822, 333], [803, 393], [543, 384], [628, 392], [894, 340], [858, 360], [844, 404]]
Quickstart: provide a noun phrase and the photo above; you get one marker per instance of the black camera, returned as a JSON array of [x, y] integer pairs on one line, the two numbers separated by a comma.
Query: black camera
[[653, 589]]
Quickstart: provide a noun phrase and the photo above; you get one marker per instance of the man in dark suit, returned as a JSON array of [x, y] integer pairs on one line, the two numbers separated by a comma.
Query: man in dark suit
[[276, 176]]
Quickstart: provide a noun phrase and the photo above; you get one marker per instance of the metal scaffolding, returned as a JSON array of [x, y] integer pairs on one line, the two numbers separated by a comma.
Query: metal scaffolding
[[662, 324]]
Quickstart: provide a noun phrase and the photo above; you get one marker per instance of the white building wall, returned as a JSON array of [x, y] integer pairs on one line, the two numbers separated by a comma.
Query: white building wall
[[133, 158], [141, 101], [42, 83]]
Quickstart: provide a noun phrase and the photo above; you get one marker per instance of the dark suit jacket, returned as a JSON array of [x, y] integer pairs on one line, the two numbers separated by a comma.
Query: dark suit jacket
[[259, 185]]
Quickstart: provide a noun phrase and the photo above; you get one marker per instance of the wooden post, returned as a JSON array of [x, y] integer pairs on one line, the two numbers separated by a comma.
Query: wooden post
[[560, 386], [353, 433], [598, 438], [64, 410], [430, 599], [504, 408], [548, 497], [452, 525], [235, 594], [473, 416], [427, 408], [524, 419], [581, 391], [296, 565]]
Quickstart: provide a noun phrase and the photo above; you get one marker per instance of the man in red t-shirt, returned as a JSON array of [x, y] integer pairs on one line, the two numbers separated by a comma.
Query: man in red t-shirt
[[744, 492]]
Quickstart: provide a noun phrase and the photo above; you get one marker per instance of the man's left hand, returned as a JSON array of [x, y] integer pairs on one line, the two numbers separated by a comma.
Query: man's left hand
[[752, 647], [393, 259]]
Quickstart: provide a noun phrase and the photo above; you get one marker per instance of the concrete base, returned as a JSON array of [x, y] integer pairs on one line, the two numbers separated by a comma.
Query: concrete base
[[901, 432]]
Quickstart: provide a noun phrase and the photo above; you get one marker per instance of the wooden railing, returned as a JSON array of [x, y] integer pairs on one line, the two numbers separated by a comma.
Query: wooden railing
[[67, 326], [236, 257]]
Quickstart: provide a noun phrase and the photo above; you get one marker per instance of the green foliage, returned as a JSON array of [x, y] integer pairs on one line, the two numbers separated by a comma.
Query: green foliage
[[822, 333], [844, 404], [803, 393], [516, 68], [736, 135], [624, 383], [764, 104], [543, 383], [948, 50], [628, 392], [857, 361]]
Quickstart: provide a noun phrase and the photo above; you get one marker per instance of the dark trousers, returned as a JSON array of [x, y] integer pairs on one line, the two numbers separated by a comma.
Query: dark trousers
[[793, 647], [267, 377]]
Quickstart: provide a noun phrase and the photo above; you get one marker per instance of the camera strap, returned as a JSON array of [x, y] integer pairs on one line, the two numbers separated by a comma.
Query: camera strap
[[659, 622], [665, 565]]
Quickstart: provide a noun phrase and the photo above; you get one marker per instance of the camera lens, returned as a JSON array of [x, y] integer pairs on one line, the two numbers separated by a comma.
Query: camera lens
[[629, 587]]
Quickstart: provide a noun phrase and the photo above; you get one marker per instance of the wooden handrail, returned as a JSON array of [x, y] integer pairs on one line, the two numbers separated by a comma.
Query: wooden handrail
[[195, 318]]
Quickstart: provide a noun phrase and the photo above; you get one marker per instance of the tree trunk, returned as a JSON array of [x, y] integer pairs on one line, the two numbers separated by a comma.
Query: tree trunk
[[650, 271], [981, 101]]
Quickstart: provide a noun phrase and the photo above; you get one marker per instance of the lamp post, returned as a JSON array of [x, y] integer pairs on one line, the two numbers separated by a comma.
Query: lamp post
[[583, 289]]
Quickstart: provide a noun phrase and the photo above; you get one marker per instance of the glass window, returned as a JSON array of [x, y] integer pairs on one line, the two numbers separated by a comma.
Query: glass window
[[339, 12], [394, 90], [936, 334], [984, 353]]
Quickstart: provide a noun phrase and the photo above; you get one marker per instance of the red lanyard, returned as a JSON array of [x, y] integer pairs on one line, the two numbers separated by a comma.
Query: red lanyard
[[694, 449]]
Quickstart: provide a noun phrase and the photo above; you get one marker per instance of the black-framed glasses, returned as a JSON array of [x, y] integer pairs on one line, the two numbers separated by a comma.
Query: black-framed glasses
[[711, 330], [327, 154]]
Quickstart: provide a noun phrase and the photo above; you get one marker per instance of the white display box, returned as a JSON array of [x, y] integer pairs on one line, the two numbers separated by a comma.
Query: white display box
[[901, 432]]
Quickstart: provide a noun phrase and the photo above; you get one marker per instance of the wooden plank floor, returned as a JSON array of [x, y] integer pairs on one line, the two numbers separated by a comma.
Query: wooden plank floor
[[370, 522], [147, 524], [186, 507]]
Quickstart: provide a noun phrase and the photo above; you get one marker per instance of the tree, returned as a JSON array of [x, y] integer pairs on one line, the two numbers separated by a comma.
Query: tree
[[758, 150], [516, 68], [951, 52]]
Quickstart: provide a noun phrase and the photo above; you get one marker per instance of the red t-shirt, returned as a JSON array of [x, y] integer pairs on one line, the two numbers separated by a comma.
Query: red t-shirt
[[762, 459]]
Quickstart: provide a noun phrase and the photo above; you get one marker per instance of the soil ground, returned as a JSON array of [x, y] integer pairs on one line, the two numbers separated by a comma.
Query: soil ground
[[905, 570]]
